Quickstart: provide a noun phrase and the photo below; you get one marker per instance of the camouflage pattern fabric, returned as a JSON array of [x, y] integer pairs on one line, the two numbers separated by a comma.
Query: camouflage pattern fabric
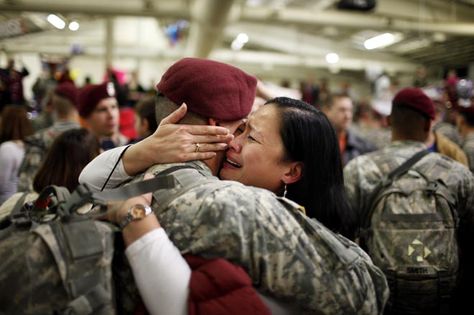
[[287, 255], [380, 137], [468, 148], [364, 173], [36, 148], [51, 270]]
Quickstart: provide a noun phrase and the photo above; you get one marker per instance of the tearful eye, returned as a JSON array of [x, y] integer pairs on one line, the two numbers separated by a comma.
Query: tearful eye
[[252, 138]]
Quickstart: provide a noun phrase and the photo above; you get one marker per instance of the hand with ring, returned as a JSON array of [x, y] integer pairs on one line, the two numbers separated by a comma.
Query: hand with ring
[[171, 142]]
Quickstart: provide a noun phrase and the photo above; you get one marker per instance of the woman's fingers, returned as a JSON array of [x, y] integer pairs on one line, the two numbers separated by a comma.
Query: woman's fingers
[[211, 138], [205, 130], [206, 147]]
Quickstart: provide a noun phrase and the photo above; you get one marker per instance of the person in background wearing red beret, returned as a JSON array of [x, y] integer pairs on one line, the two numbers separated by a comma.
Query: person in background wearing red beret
[[99, 110], [411, 119], [64, 104], [251, 227]]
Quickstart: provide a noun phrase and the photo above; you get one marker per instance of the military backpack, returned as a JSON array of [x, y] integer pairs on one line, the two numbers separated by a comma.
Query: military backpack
[[410, 233], [56, 260]]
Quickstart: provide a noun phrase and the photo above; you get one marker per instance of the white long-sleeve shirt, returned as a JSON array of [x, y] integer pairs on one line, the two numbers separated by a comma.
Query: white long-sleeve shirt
[[98, 170], [161, 273]]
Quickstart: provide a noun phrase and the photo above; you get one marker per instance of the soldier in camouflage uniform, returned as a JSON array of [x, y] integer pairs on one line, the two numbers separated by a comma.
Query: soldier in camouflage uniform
[[64, 101], [288, 256], [465, 124], [411, 117]]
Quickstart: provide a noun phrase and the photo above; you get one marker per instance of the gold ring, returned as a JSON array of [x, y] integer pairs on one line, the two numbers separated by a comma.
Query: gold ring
[[197, 147]]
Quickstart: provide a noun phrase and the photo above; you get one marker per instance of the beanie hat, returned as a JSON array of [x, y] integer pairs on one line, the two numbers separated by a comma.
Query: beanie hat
[[415, 99], [209, 88], [90, 95], [67, 90]]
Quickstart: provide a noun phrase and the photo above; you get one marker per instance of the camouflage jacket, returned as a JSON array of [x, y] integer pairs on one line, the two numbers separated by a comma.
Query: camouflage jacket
[[36, 147], [287, 255], [363, 174], [468, 147]]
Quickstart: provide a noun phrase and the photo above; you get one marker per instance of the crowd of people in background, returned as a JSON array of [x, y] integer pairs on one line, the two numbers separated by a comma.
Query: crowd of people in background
[[325, 152]]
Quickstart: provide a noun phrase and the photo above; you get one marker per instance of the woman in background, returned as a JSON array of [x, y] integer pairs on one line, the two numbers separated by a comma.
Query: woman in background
[[66, 158], [15, 127]]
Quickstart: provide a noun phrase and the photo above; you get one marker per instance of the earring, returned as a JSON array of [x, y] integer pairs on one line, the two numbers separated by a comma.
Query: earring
[[284, 191]]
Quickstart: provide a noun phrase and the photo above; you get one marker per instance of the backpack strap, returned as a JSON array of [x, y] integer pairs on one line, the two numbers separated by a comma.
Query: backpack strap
[[18, 215], [387, 181], [84, 194], [79, 251], [187, 177]]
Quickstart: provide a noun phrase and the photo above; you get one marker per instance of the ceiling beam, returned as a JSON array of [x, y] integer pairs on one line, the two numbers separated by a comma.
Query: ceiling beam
[[445, 22], [208, 19], [352, 20]]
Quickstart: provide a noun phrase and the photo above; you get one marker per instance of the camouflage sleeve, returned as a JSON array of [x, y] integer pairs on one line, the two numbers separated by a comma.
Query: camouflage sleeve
[[351, 180]]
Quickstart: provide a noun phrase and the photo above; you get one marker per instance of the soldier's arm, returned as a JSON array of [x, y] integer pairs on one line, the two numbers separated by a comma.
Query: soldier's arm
[[351, 179]]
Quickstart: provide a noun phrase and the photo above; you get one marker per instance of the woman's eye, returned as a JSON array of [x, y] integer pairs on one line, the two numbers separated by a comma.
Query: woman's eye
[[239, 130], [252, 138]]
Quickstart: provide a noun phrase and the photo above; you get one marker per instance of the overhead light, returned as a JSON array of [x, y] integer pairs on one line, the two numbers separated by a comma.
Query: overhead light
[[74, 26], [332, 58], [379, 41], [56, 21], [239, 41]]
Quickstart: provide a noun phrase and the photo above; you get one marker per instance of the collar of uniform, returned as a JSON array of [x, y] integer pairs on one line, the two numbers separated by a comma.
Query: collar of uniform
[[198, 165], [408, 143]]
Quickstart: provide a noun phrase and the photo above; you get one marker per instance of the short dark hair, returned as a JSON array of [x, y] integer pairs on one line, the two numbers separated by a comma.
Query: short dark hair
[[309, 137], [69, 154], [145, 109], [407, 121], [331, 98]]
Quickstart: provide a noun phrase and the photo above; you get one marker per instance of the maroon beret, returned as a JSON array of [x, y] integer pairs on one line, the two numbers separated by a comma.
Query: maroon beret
[[209, 88], [414, 98], [67, 90], [90, 95]]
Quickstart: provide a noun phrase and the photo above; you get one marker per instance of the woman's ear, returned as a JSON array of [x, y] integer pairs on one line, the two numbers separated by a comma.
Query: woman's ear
[[294, 173]]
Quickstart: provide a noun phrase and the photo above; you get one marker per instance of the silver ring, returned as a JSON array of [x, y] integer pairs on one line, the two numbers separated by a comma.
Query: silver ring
[[197, 147]]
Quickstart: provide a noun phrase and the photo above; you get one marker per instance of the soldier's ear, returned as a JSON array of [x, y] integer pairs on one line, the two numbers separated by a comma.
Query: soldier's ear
[[212, 122], [294, 173], [427, 125]]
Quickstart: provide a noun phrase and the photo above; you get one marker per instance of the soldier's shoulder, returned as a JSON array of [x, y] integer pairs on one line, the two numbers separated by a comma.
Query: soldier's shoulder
[[447, 167]]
